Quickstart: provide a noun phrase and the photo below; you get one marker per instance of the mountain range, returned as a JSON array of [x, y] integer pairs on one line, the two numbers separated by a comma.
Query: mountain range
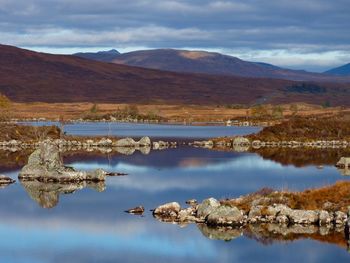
[[340, 71], [28, 76], [209, 63]]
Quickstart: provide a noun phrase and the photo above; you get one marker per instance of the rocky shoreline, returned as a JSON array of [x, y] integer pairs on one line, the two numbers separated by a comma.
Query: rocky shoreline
[[318, 211], [214, 213], [125, 146], [240, 143]]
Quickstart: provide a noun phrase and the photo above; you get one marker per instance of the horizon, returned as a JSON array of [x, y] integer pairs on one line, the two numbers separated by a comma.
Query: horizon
[[312, 35]]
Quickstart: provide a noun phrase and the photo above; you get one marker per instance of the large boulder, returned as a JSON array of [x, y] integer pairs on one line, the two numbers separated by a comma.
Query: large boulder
[[325, 218], [50, 156], [207, 207], [225, 216], [303, 216], [45, 164], [168, 210]]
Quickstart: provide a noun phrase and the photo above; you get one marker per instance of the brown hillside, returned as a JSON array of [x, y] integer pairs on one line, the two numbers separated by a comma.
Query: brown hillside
[[27, 76]]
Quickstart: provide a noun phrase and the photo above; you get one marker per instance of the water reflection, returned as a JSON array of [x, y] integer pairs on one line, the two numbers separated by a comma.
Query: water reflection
[[269, 234], [47, 194], [91, 226]]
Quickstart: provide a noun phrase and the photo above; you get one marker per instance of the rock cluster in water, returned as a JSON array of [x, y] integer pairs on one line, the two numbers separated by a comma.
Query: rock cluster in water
[[213, 213], [126, 146], [241, 144], [45, 164]]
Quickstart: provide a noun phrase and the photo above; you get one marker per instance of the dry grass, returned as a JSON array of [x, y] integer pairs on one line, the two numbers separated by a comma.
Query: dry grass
[[175, 112], [336, 196], [303, 129], [27, 133]]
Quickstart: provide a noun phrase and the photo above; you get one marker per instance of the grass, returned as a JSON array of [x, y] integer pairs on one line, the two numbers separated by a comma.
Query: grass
[[336, 196], [27, 133], [304, 129]]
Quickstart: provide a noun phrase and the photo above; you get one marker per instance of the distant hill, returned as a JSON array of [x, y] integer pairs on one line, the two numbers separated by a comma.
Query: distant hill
[[105, 56], [213, 63], [340, 71], [27, 76]]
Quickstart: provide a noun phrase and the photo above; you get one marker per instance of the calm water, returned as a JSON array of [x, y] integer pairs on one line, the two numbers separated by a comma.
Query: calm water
[[153, 130], [90, 226]]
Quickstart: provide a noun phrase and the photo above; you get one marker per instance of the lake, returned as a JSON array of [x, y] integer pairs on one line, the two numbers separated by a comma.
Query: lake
[[50, 223], [138, 130]]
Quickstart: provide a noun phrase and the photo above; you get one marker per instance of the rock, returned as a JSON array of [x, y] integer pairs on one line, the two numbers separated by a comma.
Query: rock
[[344, 162], [282, 219], [192, 202], [340, 218], [206, 207], [126, 142], [49, 156], [97, 175], [225, 216], [105, 142], [325, 218], [256, 144], [155, 146], [45, 164], [303, 216], [160, 145], [5, 181], [255, 211], [187, 214], [145, 141], [168, 210], [139, 210], [240, 141]]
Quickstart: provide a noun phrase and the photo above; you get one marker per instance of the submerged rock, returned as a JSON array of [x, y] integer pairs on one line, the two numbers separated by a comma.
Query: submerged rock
[[5, 181], [139, 210]]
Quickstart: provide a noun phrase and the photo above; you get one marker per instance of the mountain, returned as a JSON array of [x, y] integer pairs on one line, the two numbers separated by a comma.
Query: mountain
[[27, 76], [105, 56], [213, 63], [340, 71]]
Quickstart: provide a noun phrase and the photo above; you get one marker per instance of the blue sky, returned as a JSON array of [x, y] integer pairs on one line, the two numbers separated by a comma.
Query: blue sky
[[307, 34]]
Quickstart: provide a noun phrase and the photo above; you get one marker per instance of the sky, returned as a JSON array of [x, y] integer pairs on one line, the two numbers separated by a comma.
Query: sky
[[298, 34]]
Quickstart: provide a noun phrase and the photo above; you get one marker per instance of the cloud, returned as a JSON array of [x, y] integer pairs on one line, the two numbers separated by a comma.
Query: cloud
[[303, 26]]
